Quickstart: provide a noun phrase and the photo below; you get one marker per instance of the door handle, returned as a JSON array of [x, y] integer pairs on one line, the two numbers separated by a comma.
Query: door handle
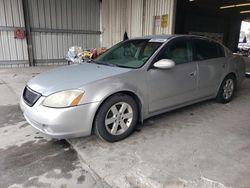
[[192, 73]]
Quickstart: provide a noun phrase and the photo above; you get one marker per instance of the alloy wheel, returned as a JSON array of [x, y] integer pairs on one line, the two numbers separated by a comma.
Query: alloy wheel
[[118, 118], [228, 88]]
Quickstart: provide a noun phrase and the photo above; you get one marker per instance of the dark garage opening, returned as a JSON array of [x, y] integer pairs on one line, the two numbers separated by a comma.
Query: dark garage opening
[[218, 19]]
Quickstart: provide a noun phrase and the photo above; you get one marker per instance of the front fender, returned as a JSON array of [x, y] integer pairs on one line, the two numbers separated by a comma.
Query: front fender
[[101, 90]]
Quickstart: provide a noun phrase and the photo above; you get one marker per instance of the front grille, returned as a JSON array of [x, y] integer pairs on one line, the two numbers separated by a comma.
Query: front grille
[[30, 97]]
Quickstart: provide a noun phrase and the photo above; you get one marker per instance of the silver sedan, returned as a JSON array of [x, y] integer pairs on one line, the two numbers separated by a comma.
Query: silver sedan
[[132, 81]]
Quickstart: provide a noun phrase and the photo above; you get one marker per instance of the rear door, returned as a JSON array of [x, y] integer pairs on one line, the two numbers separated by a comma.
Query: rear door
[[212, 65]]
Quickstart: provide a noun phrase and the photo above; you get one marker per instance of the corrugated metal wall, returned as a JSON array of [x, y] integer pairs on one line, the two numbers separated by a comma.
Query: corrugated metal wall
[[134, 16], [158, 8], [52, 22], [58, 24], [11, 50], [55, 26], [119, 16]]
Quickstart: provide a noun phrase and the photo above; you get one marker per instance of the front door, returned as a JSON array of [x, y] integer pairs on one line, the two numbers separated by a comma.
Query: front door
[[170, 87]]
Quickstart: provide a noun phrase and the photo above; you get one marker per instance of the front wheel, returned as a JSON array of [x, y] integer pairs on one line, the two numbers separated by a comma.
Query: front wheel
[[227, 89], [117, 118]]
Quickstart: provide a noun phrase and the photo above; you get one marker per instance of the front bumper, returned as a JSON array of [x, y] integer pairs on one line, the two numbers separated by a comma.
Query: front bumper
[[60, 123]]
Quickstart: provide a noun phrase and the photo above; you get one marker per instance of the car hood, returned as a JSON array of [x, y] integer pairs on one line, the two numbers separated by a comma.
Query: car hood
[[72, 77]]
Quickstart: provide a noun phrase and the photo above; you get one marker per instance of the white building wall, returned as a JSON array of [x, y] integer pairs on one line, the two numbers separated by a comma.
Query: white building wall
[[134, 16], [58, 24], [52, 16], [11, 49], [55, 26]]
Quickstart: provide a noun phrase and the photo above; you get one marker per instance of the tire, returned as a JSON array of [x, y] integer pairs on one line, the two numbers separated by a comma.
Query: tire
[[116, 119], [227, 89]]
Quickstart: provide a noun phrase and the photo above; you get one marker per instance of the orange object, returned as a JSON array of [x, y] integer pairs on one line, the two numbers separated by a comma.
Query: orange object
[[76, 100]]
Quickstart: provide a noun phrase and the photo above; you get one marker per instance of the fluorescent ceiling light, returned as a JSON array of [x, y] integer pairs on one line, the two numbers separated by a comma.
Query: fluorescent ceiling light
[[236, 5], [243, 4], [229, 6], [245, 11]]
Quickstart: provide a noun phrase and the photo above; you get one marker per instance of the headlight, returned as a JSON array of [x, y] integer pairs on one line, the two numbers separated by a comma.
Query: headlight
[[64, 99]]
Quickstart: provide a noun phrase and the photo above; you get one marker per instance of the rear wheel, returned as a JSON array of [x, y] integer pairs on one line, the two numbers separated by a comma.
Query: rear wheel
[[227, 89], [116, 119]]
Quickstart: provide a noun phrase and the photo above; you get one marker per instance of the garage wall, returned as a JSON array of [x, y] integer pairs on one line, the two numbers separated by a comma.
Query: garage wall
[[12, 50], [58, 24], [135, 17], [55, 26], [155, 8]]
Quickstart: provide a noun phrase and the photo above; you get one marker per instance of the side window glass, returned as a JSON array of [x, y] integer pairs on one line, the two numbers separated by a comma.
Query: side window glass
[[221, 50], [178, 50], [206, 50]]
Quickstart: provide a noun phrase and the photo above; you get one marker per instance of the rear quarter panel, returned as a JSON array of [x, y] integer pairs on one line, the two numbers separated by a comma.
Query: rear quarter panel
[[237, 66]]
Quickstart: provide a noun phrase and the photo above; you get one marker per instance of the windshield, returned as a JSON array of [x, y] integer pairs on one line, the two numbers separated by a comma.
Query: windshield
[[129, 54]]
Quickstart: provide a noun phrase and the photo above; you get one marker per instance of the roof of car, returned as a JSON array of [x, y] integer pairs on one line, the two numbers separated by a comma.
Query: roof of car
[[167, 36], [157, 36]]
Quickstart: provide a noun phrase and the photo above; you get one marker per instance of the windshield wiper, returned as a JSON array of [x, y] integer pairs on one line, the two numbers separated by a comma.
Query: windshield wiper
[[109, 64], [124, 66], [103, 63]]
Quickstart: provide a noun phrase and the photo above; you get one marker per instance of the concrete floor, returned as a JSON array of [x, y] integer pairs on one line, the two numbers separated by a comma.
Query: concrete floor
[[203, 145], [28, 158]]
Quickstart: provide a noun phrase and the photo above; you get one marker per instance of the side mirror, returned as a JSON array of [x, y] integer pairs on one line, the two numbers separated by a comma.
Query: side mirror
[[164, 64]]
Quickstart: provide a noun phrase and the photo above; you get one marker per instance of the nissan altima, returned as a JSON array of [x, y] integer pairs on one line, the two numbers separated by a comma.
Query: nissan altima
[[132, 81]]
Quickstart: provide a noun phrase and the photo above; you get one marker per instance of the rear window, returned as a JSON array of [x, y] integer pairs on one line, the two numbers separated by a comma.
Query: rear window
[[207, 50]]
